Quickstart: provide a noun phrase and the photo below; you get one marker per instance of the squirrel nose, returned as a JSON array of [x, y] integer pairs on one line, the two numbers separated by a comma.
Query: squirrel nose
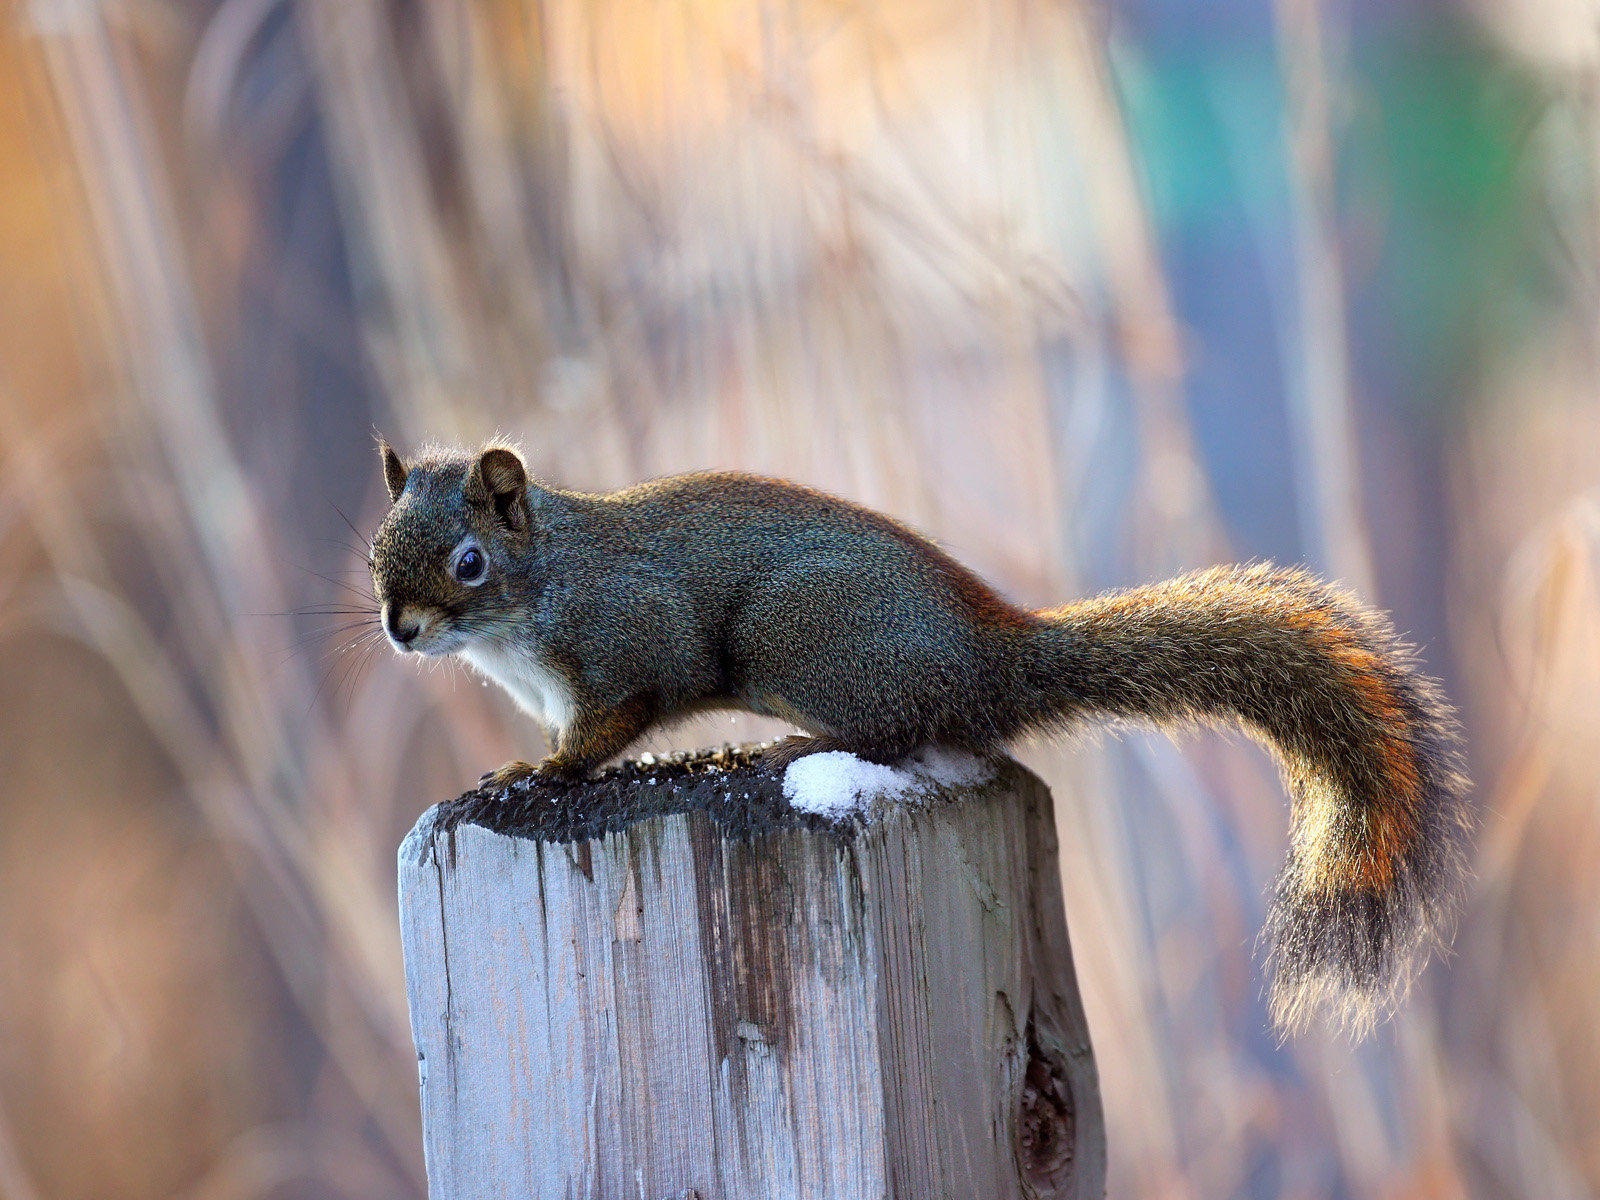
[[403, 634]]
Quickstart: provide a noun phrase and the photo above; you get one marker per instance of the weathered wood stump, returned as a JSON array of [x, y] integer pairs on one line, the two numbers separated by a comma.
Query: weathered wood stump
[[669, 982]]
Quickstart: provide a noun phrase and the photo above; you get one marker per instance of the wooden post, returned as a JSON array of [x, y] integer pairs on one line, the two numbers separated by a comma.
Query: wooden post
[[667, 982]]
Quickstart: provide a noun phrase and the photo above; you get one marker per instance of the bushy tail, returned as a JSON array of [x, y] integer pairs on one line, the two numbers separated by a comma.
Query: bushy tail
[[1367, 745]]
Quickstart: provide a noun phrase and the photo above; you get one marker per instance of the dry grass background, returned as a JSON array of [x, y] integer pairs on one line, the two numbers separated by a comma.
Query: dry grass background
[[926, 254]]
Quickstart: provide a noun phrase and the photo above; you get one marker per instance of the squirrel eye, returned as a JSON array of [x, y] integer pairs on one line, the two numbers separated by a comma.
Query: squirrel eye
[[471, 566]]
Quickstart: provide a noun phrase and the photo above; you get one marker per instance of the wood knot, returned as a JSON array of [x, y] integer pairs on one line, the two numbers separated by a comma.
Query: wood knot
[[1046, 1122]]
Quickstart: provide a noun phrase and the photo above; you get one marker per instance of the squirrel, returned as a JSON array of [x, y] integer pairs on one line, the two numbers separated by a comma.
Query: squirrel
[[606, 615]]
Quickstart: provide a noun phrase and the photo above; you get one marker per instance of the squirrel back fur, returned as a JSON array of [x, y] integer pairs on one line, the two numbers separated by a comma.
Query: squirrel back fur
[[607, 615]]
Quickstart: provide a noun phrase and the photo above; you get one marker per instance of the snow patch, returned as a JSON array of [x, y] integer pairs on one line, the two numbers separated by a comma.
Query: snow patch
[[951, 768], [836, 783]]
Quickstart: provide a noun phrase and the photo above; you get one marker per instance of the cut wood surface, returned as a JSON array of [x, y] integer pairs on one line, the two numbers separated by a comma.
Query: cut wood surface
[[667, 982]]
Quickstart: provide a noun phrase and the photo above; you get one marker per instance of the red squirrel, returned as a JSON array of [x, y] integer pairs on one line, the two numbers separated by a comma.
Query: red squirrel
[[606, 615]]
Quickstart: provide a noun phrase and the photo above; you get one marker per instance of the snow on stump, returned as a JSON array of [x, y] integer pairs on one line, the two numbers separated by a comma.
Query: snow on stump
[[700, 977]]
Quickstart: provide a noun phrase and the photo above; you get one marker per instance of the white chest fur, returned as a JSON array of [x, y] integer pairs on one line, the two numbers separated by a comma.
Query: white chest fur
[[541, 692]]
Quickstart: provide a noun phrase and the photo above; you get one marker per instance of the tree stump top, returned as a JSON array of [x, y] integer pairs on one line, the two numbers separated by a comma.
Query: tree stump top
[[741, 794]]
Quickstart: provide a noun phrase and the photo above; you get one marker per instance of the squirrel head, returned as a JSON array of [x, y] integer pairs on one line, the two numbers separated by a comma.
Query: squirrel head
[[445, 560]]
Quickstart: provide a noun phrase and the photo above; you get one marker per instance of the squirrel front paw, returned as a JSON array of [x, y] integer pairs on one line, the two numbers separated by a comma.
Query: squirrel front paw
[[514, 771], [560, 766], [518, 770]]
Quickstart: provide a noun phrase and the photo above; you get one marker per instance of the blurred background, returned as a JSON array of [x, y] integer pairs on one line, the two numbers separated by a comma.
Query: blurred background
[[1090, 292]]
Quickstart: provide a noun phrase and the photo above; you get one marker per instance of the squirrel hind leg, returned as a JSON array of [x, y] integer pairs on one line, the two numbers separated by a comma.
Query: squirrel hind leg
[[799, 745]]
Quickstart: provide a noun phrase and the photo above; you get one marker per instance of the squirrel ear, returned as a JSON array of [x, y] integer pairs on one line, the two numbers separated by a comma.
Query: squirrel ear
[[500, 477], [394, 471]]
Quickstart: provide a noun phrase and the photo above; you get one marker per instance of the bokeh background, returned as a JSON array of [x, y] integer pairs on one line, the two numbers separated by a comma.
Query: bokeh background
[[1091, 292]]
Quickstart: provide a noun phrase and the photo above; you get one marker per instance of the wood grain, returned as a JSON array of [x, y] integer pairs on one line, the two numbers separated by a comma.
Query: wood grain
[[681, 1003]]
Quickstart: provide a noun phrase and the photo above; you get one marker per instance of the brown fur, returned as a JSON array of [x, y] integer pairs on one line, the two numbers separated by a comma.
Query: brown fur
[[722, 590]]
